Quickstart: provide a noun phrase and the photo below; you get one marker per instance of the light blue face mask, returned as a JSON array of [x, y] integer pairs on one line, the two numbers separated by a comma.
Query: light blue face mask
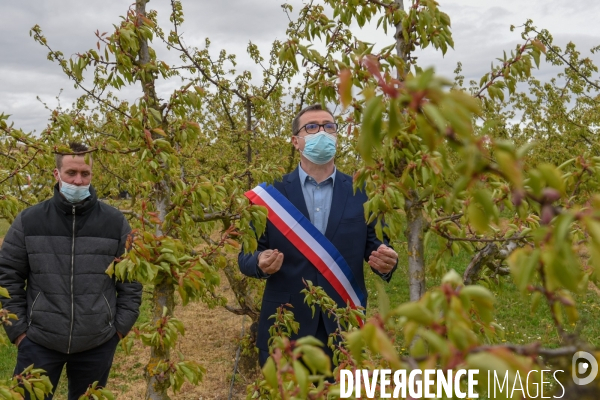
[[74, 193], [319, 148]]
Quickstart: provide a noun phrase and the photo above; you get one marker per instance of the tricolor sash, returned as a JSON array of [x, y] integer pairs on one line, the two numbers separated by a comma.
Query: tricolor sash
[[309, 241]]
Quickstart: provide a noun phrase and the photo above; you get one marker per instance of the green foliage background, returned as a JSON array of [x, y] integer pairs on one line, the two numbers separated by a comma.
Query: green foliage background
[[456, 181]]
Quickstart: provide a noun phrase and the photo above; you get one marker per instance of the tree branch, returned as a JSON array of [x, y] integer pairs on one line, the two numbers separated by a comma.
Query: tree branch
[[16, 171], [453, 217], [543, 40], [215, 216]]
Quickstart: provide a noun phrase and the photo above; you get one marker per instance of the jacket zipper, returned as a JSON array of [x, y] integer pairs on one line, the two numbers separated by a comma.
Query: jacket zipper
[[109, 310], [72, 271], [31, 312]]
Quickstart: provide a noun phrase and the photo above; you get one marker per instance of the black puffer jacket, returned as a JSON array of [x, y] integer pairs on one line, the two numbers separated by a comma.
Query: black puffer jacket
[[53, 262]]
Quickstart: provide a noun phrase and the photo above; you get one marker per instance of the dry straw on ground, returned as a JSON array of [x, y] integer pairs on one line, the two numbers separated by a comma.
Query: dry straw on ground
[[211, 339]]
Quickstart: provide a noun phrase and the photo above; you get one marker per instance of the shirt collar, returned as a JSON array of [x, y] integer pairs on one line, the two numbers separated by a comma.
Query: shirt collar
[[304, 175]]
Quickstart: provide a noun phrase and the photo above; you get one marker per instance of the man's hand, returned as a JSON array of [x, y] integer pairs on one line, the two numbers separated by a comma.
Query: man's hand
[[20, 339], [269, 261], [120, 335], [383, 259]]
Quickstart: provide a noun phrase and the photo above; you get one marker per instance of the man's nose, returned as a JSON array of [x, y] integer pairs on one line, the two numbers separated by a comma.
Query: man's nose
[[78, 180]]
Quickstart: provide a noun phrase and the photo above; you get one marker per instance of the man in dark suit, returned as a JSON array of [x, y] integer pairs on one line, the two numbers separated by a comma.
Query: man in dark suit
[[325, 196]]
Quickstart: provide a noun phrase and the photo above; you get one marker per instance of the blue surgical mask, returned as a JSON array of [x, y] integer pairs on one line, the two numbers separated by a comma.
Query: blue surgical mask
[[74, 193], [319, 148]]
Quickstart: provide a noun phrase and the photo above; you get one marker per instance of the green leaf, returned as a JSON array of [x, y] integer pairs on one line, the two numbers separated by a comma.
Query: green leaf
[[508, 165], [484, 198], [302, 378], [523, 264], [552, 176], [439, 344], [562, 227], [414, 311], [536, 57], [479, 294], [433, 114], [316, 360], [382, 298], [270, 373], [594, 230], [345, 87], [394, 124], [478, 218], [369, 135]]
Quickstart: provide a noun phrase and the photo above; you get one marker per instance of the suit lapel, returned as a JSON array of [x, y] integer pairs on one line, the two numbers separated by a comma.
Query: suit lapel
[[293, 191], [341, 190]]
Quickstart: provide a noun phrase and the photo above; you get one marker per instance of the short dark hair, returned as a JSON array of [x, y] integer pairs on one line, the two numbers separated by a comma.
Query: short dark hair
[[315, 107], [76, 148]]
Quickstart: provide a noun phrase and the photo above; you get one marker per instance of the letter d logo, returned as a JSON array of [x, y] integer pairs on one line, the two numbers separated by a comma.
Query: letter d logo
[[582, 368]]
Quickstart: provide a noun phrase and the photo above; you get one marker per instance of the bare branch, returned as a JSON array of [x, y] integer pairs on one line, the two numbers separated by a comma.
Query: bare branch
[[110, 172], [215, 216], [16, 171], [481, 240], [453, 217], [548, 46]]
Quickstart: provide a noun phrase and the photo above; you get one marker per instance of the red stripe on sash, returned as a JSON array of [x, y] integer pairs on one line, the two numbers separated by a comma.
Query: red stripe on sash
[[304, 249]]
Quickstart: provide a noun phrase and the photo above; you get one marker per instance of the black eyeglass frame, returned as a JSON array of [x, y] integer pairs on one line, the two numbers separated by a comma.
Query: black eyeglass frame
[[319, 126]]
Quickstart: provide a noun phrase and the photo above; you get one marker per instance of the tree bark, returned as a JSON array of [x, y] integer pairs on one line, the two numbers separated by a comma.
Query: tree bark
[[490, 256], [401, 46], [148, 85], [415, 228], [415, 221], [163, 295], [157, 384], [250, 138], [245, 298]]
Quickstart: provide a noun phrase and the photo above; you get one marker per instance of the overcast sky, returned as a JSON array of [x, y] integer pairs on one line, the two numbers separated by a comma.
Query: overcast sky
[[480, 29]]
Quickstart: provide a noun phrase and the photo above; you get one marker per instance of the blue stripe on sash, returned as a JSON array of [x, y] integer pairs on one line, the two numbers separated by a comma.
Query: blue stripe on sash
[[319, 237]]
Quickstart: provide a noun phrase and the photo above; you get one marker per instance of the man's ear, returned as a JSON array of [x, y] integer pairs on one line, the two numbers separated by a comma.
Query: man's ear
[[295, 142], [55, 173]]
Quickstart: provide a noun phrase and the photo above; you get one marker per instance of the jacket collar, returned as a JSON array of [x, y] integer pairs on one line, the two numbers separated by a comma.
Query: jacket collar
[[67, 207], [303, 175], [341, 190]]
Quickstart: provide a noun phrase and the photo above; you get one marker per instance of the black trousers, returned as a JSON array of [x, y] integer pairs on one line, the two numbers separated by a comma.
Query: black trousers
[[83, 368], [321, 334]]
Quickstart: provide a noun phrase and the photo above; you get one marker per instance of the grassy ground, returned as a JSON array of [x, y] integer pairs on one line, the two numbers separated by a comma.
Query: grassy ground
[[7, 353], [4, 225], [512, 312]]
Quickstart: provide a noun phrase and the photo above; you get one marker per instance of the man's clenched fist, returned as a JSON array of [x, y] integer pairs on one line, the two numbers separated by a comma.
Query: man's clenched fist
[[269, 261]]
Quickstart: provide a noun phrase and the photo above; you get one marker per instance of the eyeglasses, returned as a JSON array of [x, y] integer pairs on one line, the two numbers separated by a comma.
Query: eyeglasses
[[329, 127]]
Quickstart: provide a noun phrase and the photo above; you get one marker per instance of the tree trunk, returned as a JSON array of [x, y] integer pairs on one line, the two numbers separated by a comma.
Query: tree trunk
[[157, 385], [249, 131], [239, 284], [163, 296], [415, 227], [415, 222], [250, 138], [148, 85], [246, 300], [401, 49]]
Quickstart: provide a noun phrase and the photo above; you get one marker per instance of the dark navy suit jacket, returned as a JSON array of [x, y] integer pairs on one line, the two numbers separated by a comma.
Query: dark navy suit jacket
[[346, 229]]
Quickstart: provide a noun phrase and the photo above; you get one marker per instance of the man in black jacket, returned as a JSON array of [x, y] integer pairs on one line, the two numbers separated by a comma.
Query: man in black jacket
[[53, 262]]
